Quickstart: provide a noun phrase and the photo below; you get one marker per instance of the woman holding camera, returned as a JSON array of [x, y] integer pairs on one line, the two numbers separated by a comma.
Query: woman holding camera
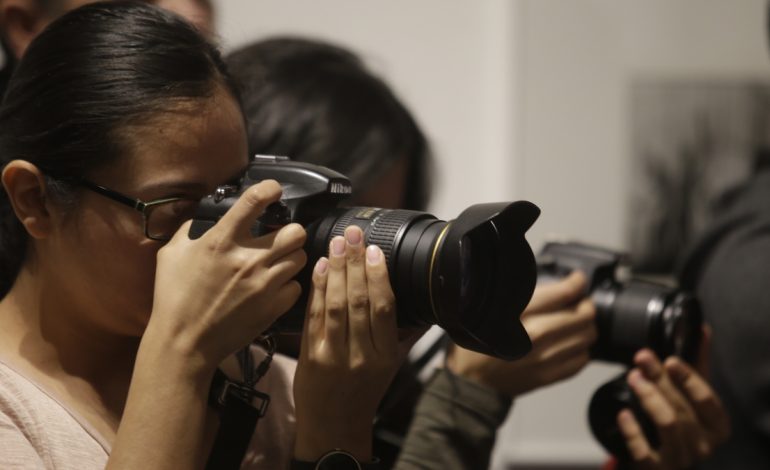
[[112, 321]]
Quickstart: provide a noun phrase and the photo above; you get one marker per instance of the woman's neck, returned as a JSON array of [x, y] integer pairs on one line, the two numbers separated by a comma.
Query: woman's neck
[[45, 336]]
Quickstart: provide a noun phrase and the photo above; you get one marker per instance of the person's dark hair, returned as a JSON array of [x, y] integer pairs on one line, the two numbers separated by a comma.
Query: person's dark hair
[[317, 102], [91, 73], [8, 66]]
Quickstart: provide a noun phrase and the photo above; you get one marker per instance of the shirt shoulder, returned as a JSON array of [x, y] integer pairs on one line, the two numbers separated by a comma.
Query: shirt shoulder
[[38, 432]]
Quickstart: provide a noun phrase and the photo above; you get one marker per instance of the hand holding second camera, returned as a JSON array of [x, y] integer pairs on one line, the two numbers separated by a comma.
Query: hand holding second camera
[[562, 329], [688, 416]]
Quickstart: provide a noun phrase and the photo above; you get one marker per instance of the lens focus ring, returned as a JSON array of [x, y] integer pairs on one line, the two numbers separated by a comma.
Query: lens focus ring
[[381, 226]]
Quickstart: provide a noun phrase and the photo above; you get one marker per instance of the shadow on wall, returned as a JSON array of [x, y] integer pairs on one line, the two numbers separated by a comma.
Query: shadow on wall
[[692, 141]]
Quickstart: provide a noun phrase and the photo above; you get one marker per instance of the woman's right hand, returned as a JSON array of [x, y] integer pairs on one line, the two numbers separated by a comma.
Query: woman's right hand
[[215, 294], [560, 324]]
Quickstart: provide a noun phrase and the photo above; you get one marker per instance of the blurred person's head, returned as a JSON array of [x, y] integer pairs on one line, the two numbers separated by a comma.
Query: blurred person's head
[[317, 102], [142, 107], [22, 20]]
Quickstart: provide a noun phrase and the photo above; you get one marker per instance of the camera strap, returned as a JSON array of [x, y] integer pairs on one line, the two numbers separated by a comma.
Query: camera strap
[[239, 406]]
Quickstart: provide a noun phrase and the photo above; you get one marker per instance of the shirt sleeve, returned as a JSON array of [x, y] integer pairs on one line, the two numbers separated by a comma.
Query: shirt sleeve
[[454, 426]]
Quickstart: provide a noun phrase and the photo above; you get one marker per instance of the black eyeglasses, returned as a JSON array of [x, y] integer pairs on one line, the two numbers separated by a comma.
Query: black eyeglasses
[[162, 217]]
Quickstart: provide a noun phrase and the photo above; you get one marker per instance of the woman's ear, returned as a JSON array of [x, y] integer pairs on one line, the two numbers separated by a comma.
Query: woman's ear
[[25, 185], [20, 22]]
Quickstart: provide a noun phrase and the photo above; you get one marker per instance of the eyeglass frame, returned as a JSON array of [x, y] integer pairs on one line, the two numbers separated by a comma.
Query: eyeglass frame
[[144, 207]]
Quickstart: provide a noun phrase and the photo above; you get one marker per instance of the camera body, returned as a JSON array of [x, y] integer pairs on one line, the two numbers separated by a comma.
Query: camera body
[[473, 275], [308, 194], [631, 314]]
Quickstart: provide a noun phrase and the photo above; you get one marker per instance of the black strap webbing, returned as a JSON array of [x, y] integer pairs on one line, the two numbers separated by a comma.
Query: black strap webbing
[[237, 421]]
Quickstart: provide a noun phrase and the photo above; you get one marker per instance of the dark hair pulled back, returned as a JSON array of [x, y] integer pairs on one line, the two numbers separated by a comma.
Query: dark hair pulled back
[[89, 74], [316, 102]]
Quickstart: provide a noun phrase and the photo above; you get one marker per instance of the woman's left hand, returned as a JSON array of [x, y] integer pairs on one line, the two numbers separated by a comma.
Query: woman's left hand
[[686, 411], [350, 350]]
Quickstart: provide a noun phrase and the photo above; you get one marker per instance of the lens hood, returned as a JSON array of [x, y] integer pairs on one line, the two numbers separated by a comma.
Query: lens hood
[[482, 277]]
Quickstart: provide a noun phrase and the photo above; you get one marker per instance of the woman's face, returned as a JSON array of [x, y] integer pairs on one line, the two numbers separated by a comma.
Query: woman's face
[[104, 262]]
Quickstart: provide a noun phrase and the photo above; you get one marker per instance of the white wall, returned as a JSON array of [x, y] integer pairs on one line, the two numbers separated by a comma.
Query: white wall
[[450, 61], [527, 99]]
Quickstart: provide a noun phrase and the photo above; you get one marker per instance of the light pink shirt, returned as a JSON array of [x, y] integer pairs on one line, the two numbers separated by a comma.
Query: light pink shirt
[[39, 432]]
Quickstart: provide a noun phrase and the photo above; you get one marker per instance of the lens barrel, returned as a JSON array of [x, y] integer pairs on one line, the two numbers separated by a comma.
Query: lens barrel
[[642, 314], [473, 276]]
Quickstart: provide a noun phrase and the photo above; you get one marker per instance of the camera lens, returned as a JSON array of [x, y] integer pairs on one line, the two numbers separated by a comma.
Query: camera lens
[[606, 403], [643, 314], [473, 276]]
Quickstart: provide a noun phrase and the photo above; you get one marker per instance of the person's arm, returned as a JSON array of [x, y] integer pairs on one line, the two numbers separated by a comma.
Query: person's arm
[[454, 425], [212, 296], [457, 418]]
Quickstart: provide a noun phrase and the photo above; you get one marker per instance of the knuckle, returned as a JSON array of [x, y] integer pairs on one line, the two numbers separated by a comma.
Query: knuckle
[[336, 307], [359, 363], [384, 307], [314, 312], [359, 301], [216, 243]]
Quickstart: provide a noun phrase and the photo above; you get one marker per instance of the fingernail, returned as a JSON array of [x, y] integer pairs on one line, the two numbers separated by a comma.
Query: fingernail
[[353, 235], [625, 416], [322, 265], [636, 379], [338, 246], [373, 254], [676, 370]]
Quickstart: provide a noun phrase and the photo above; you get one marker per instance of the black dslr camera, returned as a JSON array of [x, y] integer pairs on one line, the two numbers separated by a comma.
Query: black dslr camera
[[473, 276], [630, 314]]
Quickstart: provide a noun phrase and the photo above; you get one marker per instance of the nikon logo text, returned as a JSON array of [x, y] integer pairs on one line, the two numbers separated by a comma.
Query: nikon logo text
[[341, 188]]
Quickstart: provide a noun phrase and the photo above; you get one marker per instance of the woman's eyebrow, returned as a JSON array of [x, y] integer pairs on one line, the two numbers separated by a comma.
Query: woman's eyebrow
[[175, 188]]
